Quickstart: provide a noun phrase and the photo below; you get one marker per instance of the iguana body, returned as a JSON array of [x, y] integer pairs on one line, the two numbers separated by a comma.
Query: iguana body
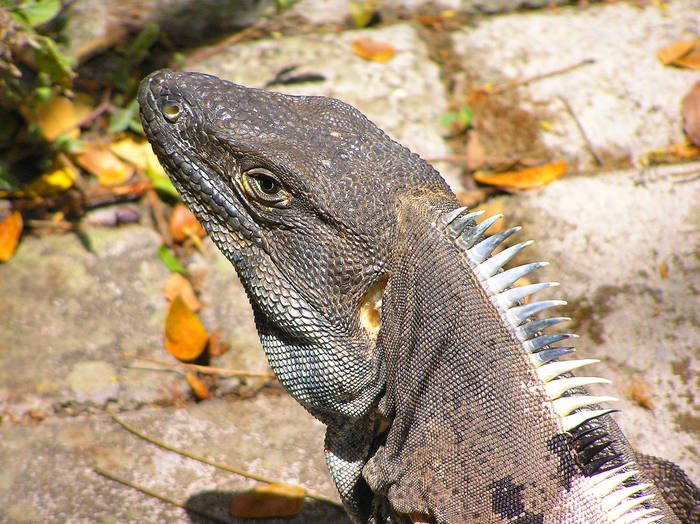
[[383, 312]]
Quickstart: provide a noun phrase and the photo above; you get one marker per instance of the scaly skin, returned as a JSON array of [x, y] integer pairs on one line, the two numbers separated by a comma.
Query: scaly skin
[[453, 407]]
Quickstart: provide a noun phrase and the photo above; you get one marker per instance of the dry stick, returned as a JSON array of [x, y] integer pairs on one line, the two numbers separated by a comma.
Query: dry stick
[[522, 81], [204, 369], [570, 110], [147, 491], [205, 460]]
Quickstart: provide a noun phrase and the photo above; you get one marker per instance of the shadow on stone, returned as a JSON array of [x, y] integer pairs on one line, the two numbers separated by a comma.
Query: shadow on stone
[[216, 503]]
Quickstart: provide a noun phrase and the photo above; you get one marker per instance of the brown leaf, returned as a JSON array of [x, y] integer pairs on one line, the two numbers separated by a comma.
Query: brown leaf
[[198, 388], [690, 112], [185, 336], [475, 151], [530, 178], [179, 285], [682, 54], [102, 163], [471, 197], [639, 391], [269, 500], [372, 50], [216, 346], [183, 224], [10, 230]]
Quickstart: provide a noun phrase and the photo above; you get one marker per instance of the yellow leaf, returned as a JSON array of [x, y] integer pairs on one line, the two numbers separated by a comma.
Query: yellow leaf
[[198, 388], [57, 116], [102, 163], [372, 50], [177, 285], [185, 336], [270, 500], [10, 230], [138, 153], [50, 183], [682, 54], [526, 178], [663, 270], [493, 206]]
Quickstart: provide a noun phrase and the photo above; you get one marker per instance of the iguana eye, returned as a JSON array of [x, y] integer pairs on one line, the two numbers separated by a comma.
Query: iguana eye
[[171, 111], [261, 185]]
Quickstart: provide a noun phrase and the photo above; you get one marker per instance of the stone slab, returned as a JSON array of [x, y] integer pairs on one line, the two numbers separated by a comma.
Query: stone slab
[[48, 476], [627, 102]]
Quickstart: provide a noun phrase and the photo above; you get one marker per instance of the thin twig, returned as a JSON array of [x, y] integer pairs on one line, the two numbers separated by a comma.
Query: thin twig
[[157, 495], [210, 462], [523, 81], [570, 110], [204, 369]]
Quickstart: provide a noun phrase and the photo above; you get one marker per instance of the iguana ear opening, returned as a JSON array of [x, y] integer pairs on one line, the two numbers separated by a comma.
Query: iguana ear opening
[[371, 308]]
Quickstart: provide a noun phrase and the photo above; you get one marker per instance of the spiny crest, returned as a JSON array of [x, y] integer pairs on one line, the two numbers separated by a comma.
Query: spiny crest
[[573, 407]]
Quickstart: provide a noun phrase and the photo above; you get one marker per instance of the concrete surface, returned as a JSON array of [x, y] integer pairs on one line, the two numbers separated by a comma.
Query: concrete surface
[[68, 312]]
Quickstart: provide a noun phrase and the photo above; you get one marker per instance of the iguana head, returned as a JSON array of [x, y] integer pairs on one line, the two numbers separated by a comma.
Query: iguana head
[[281, 184]]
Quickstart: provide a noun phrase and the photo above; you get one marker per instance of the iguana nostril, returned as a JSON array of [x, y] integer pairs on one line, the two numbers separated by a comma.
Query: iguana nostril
[[171, 112]]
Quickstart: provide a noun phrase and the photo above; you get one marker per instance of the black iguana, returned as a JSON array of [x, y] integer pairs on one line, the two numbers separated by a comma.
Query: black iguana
[[383, 311]]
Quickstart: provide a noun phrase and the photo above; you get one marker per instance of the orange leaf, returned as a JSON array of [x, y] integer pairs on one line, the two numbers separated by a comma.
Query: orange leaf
[[269, 500], [104, 165], [682, 54], [179, 285], [10, 229], [183, 224], [198, 388], [690, 112], [526, 178], [185, 336], [372, 50]]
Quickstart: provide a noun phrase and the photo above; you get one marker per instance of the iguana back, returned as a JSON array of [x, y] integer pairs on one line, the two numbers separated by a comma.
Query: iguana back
[[383, 311]]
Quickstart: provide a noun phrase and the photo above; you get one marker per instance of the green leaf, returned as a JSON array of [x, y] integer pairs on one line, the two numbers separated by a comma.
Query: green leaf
[[36, 12], [466, 115], [447, 119], [71, 145], [172, 263], [50, 60], [121, 120], [143, 41], [162, 184]]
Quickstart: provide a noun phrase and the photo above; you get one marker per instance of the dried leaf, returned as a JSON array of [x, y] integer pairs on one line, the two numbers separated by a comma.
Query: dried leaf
[[471, 197], [58, 116], [475, 151], [682, 54], [10, 230], [526, 178], [639, 391], [198, 388], [102, 163], [372, 50], [690, 112], [50, 183], [185, 336], [183, 224], [179, 285], [216, 346], [663, 270], [269, 500]]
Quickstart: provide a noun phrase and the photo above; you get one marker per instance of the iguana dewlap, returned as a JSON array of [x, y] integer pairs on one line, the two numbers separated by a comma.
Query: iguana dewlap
[[383, 310]]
